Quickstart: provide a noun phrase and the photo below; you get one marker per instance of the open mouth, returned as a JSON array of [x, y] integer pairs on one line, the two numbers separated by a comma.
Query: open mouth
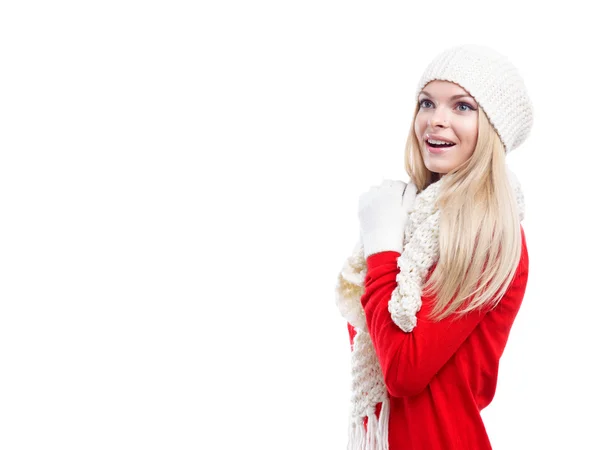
[[439, 144]]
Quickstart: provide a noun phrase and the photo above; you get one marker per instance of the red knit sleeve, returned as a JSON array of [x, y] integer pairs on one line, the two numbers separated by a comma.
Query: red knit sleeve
[[410, 360]]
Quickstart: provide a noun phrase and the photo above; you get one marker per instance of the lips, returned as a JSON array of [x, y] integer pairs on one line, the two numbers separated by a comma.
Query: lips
[[437, 150], [438, 137]]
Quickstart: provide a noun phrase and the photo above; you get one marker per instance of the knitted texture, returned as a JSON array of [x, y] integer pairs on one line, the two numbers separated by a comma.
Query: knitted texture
[[493, 81], [421, 252], [350, 286]]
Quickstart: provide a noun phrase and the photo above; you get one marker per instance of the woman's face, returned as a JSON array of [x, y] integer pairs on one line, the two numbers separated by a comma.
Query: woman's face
[[446, 112]]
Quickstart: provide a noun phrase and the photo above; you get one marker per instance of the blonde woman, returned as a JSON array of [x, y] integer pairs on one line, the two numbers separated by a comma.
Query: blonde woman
[[437, 278]]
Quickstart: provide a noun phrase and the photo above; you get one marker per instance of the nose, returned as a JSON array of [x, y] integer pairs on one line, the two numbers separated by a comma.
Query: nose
[[438, 119]]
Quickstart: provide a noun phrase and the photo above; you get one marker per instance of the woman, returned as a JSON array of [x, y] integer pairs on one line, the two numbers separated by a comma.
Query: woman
[[433, 286]]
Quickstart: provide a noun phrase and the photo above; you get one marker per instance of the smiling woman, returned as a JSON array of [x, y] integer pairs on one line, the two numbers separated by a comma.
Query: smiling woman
[[434, 285], [446, 114]]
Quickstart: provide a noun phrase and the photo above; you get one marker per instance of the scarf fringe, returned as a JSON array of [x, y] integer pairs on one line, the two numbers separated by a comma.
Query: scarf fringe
[[375, 436]]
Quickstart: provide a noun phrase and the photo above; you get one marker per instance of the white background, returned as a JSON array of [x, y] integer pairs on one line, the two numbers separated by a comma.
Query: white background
[[178, 191]]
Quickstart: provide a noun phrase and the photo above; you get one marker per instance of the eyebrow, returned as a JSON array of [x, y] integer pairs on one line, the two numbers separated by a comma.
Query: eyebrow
[[451, 98]]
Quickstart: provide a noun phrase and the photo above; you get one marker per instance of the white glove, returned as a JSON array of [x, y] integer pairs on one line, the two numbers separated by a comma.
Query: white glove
[[382, 213]]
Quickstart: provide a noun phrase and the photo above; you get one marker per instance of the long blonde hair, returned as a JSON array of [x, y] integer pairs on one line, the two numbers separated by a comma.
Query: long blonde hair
[[480, 233]]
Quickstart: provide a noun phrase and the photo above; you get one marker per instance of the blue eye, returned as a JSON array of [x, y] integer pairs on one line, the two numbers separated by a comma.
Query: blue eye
[[467, 105], [422, 105]]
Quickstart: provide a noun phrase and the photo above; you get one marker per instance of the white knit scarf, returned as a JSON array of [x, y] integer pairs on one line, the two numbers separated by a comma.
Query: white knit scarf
[[421, 251]]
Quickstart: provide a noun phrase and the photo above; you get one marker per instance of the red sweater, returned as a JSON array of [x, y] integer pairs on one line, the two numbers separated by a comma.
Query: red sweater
[[442, 374]]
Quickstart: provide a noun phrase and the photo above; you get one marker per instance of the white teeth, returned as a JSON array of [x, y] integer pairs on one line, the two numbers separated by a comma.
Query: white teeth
[[435, 141]]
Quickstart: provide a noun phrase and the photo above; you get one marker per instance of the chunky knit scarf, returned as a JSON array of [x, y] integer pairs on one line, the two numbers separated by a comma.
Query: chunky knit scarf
[[421, 251]]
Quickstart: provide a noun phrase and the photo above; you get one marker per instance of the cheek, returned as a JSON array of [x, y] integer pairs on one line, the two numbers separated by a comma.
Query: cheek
[[473, 130], [468, 133], [419, 126], [470, 138]]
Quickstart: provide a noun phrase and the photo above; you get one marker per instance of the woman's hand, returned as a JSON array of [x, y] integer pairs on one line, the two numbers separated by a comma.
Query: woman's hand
[[382, 213]]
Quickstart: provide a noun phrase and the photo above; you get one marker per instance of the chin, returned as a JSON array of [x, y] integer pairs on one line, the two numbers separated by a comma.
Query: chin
[[437, 168]]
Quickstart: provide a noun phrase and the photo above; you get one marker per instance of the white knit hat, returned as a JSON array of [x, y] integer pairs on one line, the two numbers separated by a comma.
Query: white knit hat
[[493, 81]]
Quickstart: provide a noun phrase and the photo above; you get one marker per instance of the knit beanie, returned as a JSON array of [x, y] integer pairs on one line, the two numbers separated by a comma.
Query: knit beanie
[[493, 81]]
